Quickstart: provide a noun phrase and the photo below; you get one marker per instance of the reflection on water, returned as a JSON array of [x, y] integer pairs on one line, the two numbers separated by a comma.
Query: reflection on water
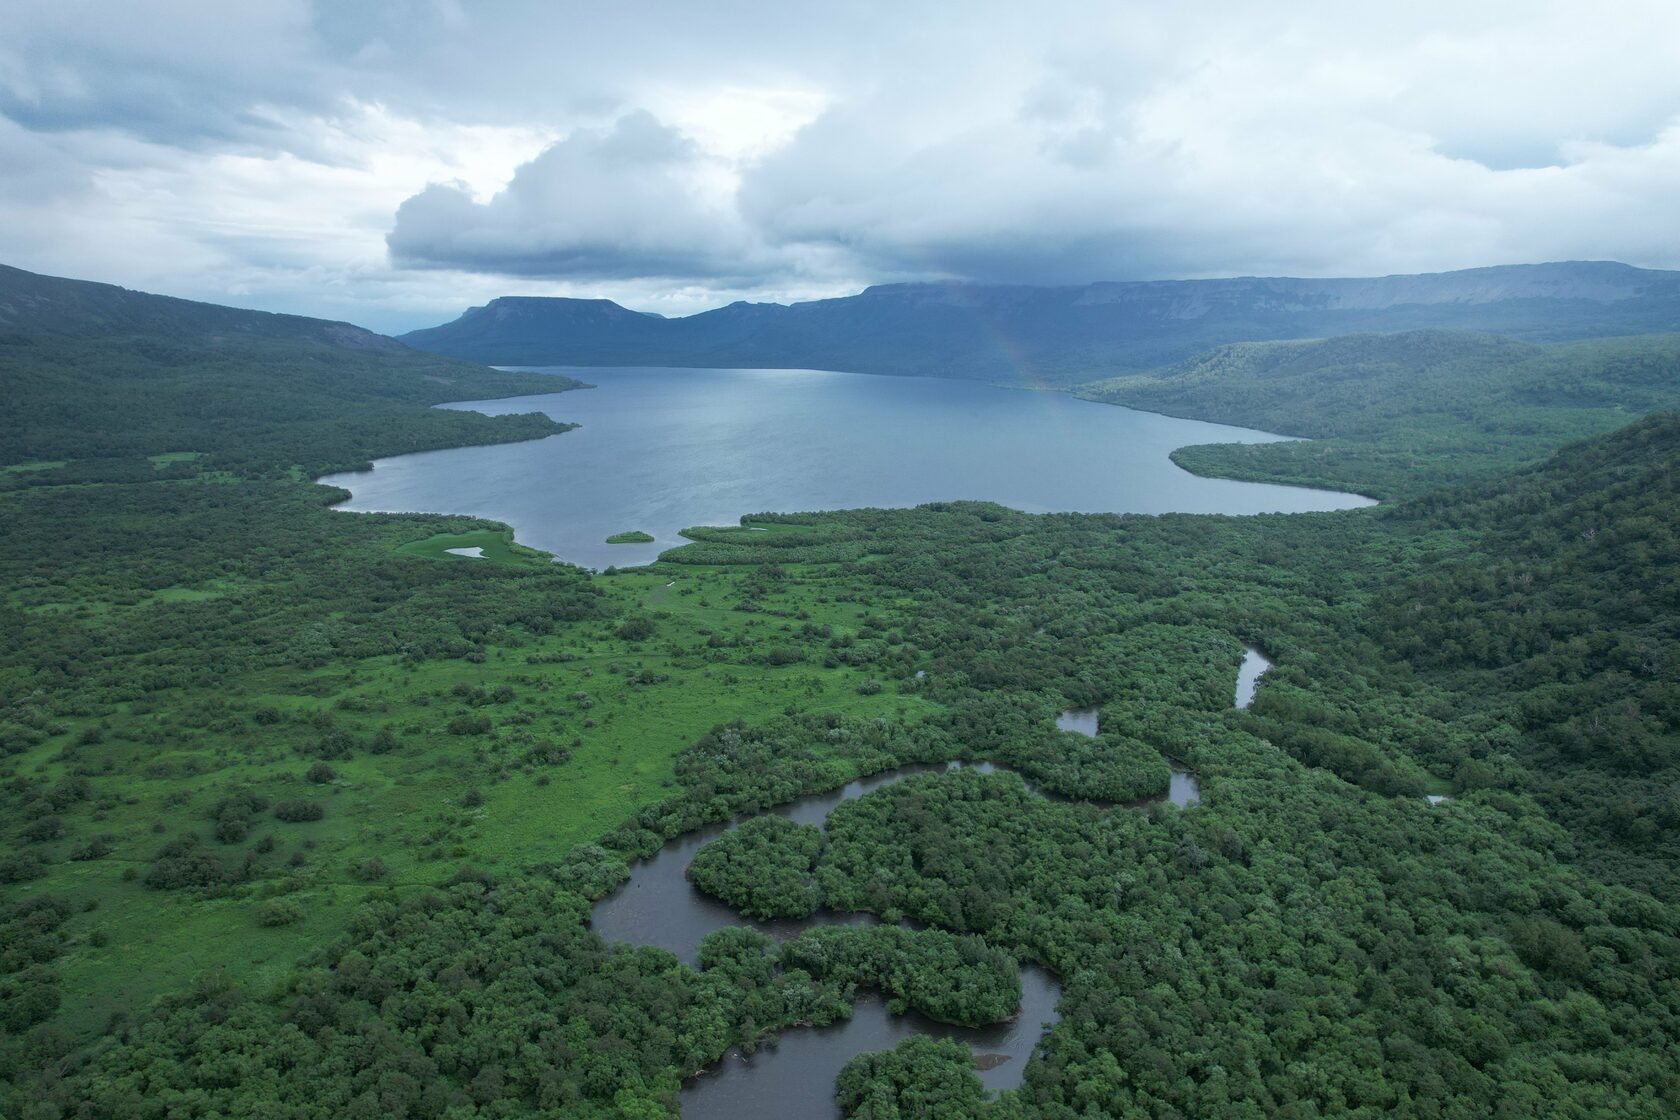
[[1082, 720], [1254, 664], [659, 906], [664, 449], [793, 1074], [1182, 789]]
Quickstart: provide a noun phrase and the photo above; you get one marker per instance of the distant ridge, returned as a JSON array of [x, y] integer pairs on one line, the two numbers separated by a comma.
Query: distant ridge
[[1063, 335], [92, 371], [53, 305]]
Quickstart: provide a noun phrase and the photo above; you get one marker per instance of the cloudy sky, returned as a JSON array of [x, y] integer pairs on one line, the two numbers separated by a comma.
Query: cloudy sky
[[393, 163]]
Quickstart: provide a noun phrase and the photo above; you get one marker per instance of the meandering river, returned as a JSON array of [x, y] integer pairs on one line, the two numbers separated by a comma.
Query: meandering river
[[662, 449], [793, 1074]]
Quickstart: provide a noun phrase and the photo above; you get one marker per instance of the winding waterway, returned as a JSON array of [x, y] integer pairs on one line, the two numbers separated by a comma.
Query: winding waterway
[[793, 1074], [662, 449]]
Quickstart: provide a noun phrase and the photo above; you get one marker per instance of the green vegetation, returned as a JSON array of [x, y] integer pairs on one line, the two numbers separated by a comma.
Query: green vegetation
[[1110, 768], [763, 868], [300, 820], [631, 536], [1398, 415], [920, 1077], [124, 382]]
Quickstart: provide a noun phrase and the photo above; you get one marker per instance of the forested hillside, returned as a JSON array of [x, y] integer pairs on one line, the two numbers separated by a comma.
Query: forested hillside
[[97, 372], [1400, 414]]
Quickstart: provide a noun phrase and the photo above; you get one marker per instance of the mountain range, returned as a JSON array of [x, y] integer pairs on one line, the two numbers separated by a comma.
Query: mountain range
[[1061, 336]]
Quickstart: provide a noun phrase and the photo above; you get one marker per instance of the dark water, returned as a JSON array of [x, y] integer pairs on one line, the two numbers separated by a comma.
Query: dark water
[[794, 1078], [1254, 664], [793, 1074], [662, 449]]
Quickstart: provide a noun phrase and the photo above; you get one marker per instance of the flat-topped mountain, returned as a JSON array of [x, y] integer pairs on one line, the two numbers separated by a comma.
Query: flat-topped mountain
[[1063, 335]]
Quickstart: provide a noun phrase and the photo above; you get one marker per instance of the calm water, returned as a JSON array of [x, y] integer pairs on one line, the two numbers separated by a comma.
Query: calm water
[[1254, 665], [793, 1075], [1082, 720], [662, 449]]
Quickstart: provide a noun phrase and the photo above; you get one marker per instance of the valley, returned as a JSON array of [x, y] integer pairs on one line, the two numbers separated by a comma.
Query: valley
[[321, 813]]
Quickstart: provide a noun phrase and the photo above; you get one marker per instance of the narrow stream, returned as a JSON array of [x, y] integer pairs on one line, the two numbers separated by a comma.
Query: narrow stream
[[1182, 790], [1254, 664]]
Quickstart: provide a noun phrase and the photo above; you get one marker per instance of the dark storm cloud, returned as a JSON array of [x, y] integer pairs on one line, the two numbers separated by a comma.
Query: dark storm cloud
[[624, 202]]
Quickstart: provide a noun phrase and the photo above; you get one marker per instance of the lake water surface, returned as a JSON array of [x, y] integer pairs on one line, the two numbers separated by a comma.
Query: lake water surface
[[662, 449]]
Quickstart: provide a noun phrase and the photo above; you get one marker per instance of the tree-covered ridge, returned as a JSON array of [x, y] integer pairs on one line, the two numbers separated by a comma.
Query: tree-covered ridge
[[1557, 615], [1401, 414], [94, 372]]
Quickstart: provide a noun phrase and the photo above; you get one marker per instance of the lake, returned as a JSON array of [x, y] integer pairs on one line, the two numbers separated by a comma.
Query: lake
[[662, 449]]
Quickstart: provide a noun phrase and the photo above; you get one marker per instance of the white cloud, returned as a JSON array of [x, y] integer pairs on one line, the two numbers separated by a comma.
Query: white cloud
[[682, 155]]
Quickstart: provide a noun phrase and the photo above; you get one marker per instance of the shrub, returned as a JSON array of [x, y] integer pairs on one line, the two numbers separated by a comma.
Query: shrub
[[46, 828], [636, 629], [97, 848], [182, 863], [299, 810], [279, 912], [321, 773], [21, 868], [370, 870], [548, 754]]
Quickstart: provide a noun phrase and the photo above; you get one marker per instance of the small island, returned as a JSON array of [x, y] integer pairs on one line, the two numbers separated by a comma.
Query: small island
[[633, 536]]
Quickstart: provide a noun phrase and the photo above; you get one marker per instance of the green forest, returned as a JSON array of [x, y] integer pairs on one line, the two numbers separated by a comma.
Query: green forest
[[303, 817]]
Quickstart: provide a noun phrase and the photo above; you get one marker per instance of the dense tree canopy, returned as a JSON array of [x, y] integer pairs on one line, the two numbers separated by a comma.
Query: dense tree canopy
[[238, 731]]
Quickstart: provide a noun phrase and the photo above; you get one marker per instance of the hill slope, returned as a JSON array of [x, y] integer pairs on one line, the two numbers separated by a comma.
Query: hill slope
[[1062, 336], [94, 371], [1398, 414]]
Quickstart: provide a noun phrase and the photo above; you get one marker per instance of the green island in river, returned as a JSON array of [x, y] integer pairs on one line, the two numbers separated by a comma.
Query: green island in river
[[631, 536], [303, 818]]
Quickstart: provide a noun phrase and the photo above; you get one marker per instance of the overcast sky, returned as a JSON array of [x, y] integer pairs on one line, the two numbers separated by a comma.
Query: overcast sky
[[394, 163]]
